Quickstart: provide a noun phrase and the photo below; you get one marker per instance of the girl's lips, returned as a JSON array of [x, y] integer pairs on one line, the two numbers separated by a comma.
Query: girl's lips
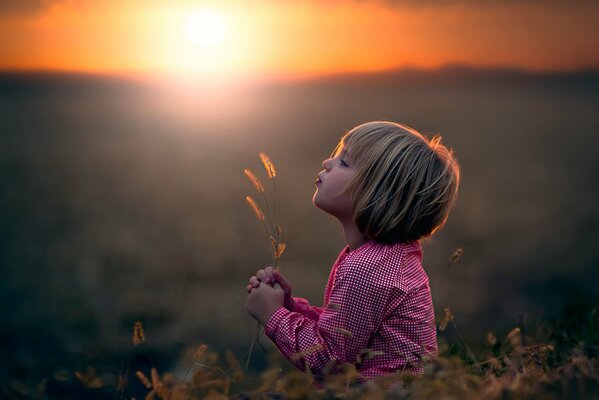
[[317, 181]]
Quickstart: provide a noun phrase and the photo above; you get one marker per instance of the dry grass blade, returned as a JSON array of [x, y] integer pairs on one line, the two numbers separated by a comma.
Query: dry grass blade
[[269, 379], [144, 379], [234, 365], [329, 367], [447, 317], [151, 395], [268, 165], [138, 334], [255, 208], [89, 378], [156, 383], [301, 354], [367, 354], [273, 246], [254, 179], [344, 332]]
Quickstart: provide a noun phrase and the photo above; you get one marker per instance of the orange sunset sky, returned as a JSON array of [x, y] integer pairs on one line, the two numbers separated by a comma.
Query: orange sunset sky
[[295, 38]]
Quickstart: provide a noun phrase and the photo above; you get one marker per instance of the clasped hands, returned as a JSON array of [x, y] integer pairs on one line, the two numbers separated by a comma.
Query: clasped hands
[[268, 291]]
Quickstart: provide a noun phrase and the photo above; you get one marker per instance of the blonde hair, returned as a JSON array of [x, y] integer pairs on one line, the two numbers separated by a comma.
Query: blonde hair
[[405, 184]]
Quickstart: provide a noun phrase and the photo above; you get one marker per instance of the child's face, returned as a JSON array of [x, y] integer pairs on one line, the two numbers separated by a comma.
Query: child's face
[[329, 196]]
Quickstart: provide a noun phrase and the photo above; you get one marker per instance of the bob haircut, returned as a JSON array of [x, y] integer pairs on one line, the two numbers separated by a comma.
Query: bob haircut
[[405, 184]]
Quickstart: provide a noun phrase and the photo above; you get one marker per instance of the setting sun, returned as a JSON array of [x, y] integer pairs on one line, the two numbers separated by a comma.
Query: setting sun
[[205, 28]]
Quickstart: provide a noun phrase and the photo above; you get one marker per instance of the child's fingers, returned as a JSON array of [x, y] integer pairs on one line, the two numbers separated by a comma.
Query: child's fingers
[[268, 272], [254, 281], [262, 277], [249, 288]]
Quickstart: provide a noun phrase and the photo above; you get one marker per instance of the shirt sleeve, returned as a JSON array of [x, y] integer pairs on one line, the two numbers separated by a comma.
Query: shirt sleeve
[[340, 332], [303, 307]]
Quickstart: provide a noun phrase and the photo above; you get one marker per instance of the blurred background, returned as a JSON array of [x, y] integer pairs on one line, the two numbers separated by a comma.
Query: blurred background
[[125, 129]]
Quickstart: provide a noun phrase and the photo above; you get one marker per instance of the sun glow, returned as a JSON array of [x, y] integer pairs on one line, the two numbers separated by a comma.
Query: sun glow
[[205, 28]]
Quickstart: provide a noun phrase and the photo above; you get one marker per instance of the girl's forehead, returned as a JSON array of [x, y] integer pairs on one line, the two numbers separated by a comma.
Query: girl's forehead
[[341, 149]]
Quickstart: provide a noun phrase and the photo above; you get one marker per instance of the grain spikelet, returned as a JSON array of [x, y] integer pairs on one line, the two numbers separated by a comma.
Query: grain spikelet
[[278, 230], [269, 379], [144, 379], [515, 337], [366, 354], [301, 354], [268, 165], [156, 383], [280, 250], [254, 179], [200, 376], [447, 316], [455, 256], [257, 210], [150, 395], [138, 334], [200, 352], [90, 379], [345, 332], [491, 339], [234, 365]]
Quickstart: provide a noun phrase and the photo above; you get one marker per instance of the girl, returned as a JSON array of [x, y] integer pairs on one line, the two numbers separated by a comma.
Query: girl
[[389, 187]]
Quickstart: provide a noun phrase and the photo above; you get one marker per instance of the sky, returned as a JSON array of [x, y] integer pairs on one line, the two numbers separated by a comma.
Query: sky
[[295, 38]]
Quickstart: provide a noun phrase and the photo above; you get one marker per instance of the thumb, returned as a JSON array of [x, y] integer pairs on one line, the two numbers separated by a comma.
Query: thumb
[[280, 279]]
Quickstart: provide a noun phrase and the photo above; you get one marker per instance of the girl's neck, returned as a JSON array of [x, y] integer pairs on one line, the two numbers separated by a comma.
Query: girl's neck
[[353, 237]]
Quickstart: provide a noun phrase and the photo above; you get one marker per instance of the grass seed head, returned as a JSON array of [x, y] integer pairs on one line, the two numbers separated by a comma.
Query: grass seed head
[[515, 337], [234, 365], [144, 379], [280, 250], [255, 181], [344, 332], [255, 208], [447, 317], [200, 352], [138, 334], [268, 165], [455, 256], [301, 354]]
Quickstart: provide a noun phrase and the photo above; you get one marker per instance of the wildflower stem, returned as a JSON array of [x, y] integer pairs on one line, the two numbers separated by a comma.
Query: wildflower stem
[[468, 351]]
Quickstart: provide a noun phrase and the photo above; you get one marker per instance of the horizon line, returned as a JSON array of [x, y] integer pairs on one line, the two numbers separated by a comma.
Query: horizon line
[[449, 67]]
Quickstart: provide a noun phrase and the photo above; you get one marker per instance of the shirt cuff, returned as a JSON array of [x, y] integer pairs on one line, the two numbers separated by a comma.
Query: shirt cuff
[[273, 323]]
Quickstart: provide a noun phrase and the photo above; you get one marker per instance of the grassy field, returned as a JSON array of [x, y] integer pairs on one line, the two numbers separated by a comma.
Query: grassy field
[[124, 201]]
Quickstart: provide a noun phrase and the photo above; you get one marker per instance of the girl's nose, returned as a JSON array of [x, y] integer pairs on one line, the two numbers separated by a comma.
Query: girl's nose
[[326, 164]]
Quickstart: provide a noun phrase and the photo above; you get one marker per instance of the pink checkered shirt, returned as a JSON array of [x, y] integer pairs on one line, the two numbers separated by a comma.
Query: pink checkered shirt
[[377, 298]]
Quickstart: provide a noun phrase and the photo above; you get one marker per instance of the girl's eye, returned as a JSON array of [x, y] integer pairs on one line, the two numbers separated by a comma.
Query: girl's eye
[[343, 163]]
